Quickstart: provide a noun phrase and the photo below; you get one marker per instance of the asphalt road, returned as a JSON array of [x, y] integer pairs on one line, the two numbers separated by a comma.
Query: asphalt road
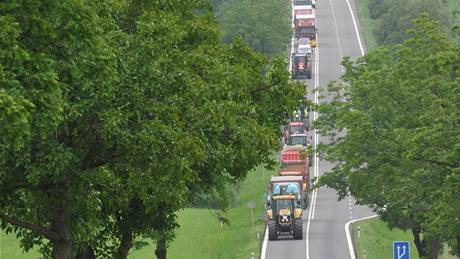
[[324, 221]]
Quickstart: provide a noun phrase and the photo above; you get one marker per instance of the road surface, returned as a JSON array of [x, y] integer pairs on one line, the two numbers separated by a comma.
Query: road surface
[[324, 221]]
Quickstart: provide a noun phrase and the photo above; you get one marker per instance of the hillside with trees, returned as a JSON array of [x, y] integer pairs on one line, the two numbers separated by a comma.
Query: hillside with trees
[[392, 18], [263, 24], [114, 113]]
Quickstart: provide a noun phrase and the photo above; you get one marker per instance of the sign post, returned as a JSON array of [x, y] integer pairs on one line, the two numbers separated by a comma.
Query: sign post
[[252, 206], [401, 250]]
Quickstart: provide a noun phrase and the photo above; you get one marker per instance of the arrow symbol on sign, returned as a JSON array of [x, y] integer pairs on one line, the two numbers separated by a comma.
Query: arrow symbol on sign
[[404, 248]]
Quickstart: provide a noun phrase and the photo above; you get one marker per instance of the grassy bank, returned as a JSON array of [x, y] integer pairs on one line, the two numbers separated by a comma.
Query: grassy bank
[[377, 239], [9, 248], [200, 234], [367, 24]]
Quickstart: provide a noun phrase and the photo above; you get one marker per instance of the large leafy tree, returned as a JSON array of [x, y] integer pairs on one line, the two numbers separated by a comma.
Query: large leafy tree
[[400, 108], [263, 24], [114, 113]]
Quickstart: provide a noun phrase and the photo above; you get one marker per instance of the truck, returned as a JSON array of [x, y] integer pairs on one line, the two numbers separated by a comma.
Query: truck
[[284, 217], [305, 27], [300, 140], [303, 2], [301, 66], [295, 127], [296, 161]]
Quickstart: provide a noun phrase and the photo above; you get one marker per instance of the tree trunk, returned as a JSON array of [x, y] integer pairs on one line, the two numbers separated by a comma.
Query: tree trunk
[[63, 249], [434, 248], [63, 245], [160, 251], [86, 253], [125, 245], [418, 242]]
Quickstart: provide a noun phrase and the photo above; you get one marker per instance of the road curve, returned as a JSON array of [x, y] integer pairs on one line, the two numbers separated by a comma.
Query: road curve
[[324, 233]]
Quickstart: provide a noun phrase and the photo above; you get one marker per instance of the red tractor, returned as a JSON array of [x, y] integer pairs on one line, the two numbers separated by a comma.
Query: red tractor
[[301, 66]]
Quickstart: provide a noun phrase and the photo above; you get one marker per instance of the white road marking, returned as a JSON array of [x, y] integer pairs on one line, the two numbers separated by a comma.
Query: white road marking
[[337, 35], [263, 252], [311, 213], [347, 233], [347, 225], [361, 48]]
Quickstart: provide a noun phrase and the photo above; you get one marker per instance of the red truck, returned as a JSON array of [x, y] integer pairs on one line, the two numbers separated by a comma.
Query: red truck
[[305, 27]]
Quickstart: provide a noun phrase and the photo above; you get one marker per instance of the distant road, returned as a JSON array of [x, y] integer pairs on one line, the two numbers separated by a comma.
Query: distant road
[[324, 221]]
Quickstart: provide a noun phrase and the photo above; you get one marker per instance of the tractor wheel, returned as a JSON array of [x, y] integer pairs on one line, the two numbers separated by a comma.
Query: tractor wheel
[[298, 232], [309, 75], [272, 230]]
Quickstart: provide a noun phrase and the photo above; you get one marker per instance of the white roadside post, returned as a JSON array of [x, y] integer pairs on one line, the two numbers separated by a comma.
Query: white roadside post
[[252, 206], [359, 232]]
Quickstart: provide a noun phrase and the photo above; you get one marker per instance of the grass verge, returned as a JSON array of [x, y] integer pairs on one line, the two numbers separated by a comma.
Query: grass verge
[[9, 248], [377, 239], [200, 234], [367, 24]]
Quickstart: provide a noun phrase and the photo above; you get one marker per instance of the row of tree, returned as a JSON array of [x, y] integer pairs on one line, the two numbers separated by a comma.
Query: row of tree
[[263, 24], [394, 17], [113, 114], [400, 108]]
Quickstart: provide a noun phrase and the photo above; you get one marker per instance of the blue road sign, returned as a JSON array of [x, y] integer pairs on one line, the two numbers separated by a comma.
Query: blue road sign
[[401, 250]]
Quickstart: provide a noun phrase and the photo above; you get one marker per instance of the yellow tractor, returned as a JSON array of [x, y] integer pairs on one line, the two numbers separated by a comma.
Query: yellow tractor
[[284, 217]]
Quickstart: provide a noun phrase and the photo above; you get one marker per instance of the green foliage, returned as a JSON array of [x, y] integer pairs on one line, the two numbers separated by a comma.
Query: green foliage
[[114, 114], [394, 17], [400, 108], [263, 24]]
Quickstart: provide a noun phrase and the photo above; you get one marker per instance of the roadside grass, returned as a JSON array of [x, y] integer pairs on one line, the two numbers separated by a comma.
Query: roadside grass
[[10, 249], [367, 25], [377, 239], [200, 234]]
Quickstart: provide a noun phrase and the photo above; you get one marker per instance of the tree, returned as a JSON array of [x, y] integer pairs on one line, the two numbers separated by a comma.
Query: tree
[[399, 107], [262, 24], [115, 113], [394, 18]]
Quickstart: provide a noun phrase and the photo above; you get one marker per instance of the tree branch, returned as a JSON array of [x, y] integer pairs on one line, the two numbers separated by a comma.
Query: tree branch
[[30, 226]]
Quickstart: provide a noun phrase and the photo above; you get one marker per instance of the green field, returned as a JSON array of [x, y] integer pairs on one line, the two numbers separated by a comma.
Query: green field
[[200, 234], [9, 248], [377, 239]]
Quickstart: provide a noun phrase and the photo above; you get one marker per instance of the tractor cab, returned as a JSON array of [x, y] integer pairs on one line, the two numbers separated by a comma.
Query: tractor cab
[[298, 139], [301, 65]]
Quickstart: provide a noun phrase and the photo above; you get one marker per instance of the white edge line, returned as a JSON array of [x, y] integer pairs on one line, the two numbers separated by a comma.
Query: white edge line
[[264, 245], [311, 212], [361, 48], [347, 233]]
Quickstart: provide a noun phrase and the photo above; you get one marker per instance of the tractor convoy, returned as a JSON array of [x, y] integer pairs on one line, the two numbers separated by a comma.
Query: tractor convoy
[[304, 27], [289, 190]]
